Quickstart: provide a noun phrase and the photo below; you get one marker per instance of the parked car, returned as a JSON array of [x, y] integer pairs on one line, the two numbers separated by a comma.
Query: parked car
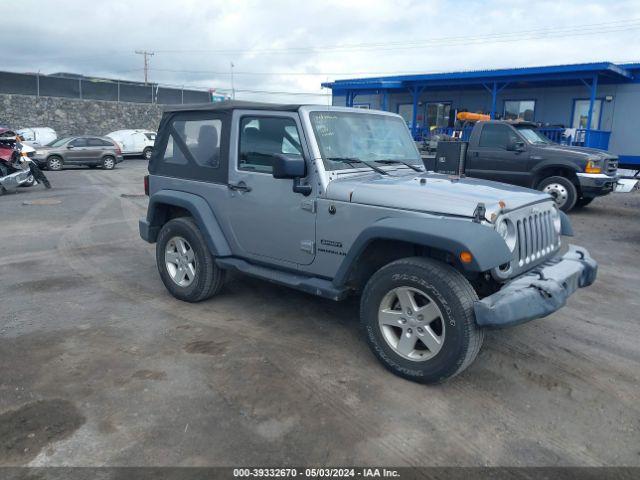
[[134, 142], [79, 150], [335, 201], [519, 154], [38, 136]]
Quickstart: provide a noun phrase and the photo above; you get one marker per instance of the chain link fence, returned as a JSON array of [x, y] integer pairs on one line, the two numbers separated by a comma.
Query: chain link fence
[[98, 89]]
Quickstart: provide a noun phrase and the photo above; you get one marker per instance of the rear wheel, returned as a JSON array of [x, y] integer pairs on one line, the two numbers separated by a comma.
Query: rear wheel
[[108, 163], [417, 314], [54, 163], [186, 266], [562, 190]]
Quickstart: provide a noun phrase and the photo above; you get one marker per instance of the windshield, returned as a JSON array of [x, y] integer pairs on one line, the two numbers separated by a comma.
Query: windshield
[[59, 142], [532, 135], [362, 136]]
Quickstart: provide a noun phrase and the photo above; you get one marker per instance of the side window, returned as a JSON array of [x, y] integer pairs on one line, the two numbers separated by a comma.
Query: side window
[[263, 137], [78, 142], [496, 136], [97, 142], [202, 140]]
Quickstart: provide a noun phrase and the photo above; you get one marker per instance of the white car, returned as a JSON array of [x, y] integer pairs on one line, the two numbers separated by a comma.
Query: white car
[[38, 136], [134, 142]]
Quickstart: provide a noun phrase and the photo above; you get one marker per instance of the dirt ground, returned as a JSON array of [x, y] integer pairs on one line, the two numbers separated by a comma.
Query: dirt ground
[[100, 366]]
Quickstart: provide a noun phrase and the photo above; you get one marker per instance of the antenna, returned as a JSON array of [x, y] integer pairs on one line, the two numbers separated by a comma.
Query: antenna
[[146, 62]]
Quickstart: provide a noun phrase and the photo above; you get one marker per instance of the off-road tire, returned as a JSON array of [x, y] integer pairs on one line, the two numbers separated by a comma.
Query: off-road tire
[[147, 152], [572, 191], [453, 295], [209, 278], [55, 167], [583, 202], [108, 163]]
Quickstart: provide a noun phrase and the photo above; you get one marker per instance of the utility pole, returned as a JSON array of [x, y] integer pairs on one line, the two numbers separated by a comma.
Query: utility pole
[[146, 62]]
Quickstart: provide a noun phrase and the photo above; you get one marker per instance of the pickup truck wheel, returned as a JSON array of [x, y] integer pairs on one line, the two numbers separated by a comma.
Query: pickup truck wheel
[[562, 190], [417, 314], [186, 266]]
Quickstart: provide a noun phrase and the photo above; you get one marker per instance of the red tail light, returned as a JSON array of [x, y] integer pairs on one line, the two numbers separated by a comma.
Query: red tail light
[[146, 185], [118, 151]]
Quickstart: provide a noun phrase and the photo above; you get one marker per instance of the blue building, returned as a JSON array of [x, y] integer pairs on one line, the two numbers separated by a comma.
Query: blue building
[[590, 104]]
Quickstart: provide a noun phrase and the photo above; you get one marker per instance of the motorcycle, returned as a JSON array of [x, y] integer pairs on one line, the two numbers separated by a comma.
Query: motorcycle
[[17, 169]]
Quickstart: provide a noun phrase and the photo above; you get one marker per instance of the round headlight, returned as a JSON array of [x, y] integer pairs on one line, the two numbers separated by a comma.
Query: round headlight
[[555, 216], [507, 230]]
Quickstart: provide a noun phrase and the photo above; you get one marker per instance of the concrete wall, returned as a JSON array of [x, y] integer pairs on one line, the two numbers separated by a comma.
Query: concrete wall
[[553, 105], [76, 117]]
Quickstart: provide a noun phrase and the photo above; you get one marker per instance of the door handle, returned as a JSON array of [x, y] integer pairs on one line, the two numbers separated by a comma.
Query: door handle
[[239, 187]]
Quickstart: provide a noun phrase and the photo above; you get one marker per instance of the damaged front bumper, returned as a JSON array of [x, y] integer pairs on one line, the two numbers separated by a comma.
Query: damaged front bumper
[[14, 180], [539, 292]]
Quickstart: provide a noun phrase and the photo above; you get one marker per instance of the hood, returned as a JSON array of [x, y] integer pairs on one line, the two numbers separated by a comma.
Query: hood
[[584, 153], [431, 192]]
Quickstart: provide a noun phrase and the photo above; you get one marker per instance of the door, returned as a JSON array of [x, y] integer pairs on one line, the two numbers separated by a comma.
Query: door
[[491, 159], [77, 151], [268, 219], [96, 149]]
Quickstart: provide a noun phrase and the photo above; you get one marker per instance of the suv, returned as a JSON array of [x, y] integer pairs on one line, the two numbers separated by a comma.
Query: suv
[[83, 150], [335, 201]]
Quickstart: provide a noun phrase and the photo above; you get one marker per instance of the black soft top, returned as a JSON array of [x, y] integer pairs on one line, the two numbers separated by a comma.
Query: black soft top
[[230, 105]]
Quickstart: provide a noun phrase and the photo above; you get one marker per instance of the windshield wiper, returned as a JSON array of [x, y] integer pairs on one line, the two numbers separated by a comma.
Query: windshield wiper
[[410, 165], [352, 160]]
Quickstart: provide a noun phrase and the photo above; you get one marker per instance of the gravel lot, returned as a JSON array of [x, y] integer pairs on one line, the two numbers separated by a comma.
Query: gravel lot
[[100, 366]]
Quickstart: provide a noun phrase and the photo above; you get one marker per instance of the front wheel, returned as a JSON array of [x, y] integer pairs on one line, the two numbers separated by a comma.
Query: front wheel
[[54, 164], [147, 153], [562, 190], [30, 182], [186, 266], [418, 318]]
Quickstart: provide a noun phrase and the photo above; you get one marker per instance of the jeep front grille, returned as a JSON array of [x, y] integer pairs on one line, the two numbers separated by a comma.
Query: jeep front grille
[[537, 237]]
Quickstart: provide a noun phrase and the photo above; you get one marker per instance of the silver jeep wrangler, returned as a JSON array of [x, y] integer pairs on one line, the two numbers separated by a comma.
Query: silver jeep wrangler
[[335, 201]]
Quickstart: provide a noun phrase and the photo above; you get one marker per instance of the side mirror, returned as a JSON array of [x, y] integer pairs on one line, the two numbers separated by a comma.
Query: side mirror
[[292, 166], [289, 166], [70, 147], [516, 147]]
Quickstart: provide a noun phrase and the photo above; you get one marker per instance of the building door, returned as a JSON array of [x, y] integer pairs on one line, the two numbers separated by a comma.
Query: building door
[[581, 114], [437, 115]]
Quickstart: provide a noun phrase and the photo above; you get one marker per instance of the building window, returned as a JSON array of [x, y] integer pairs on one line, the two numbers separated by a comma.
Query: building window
[[581, 114], [438, 114], [519, 109]]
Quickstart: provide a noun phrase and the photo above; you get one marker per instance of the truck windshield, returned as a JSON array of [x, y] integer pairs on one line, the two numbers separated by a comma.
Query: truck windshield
[[369, 137], [532, 135]]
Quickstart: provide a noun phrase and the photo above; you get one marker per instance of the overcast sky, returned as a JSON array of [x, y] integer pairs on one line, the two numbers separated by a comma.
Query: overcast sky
[[293, 46]]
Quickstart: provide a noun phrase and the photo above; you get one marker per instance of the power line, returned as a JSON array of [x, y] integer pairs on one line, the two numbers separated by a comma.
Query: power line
[[547, 32]]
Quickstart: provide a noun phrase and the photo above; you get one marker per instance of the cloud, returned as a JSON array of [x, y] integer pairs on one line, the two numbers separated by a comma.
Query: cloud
[[195, 41]]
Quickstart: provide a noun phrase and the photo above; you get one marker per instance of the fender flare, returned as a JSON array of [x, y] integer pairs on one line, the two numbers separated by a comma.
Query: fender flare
[[450, 235], [200, 211], [535, 171]]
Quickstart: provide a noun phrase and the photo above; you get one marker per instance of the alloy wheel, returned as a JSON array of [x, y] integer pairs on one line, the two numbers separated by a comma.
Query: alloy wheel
[[180, 261], [411, 323]]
